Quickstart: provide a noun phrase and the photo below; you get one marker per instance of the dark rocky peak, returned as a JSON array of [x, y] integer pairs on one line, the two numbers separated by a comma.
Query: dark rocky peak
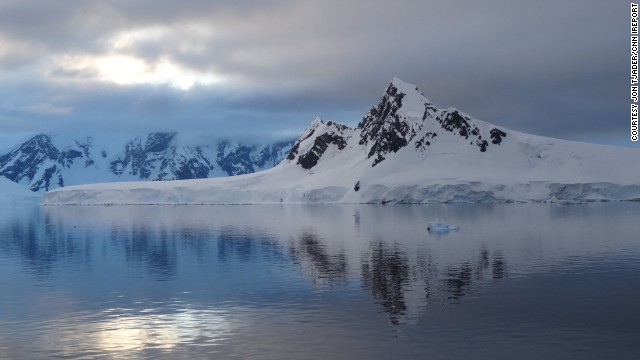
[[311, 129], [307, 133], [158, 142], [315, 140], [35, 150], [318, 128], [24, 162], [386, 128], [385, 111], [39, 144]]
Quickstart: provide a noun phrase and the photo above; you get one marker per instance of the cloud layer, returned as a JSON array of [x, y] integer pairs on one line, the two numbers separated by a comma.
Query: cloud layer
[[554, 68]]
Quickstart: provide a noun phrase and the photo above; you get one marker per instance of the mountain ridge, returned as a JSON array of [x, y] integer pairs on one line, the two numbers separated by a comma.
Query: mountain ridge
[[405, 150], [46, 161]]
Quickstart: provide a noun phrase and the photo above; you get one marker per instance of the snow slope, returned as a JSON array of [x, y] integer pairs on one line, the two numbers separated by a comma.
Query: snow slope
[[11, 192], [405, 150]]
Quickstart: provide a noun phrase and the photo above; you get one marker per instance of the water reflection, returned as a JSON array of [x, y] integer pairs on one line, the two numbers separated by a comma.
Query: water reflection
[[148, 281], [235, 246], [338, 244], [385, 272], [154, 249], [125, 333], [499, 266], [324, 268], [27, 236], [458, 280]]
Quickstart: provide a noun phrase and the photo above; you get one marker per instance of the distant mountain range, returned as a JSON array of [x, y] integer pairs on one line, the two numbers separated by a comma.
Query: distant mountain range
[[405, 150], [46, 162]]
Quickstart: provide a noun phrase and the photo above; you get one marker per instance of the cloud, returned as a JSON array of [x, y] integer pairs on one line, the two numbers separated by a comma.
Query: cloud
[[127, 70], [551, 68], [45, 109], [48, 109]]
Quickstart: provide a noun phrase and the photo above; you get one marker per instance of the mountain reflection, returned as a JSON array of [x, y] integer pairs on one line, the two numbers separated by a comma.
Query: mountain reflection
[[150, 248], [332, 248], [309, 249], [499, 266], [234, 246], [458, 280], [385, 272], [29, 236], [394, 279]]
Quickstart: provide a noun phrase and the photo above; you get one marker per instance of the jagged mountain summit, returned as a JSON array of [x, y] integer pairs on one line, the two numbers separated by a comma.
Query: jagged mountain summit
[[403, 117], [46, 162], [405, 150]]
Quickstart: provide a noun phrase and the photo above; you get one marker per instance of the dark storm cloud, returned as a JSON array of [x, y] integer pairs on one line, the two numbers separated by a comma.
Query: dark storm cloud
[[554, 68]]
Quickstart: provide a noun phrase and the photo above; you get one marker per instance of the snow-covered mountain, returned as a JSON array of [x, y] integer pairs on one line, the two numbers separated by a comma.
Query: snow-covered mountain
[[405, 150], [12, 193], [46, 162]]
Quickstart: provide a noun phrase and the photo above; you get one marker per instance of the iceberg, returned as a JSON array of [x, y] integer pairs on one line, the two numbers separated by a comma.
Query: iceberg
[[441, 226]]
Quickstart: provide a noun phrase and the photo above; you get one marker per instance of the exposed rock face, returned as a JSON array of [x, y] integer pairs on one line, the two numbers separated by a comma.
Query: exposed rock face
[[320, 145], [20, 163], [454, 122], [403, 116], [315, 141], [42, 165], [382, 128], [497, 135]]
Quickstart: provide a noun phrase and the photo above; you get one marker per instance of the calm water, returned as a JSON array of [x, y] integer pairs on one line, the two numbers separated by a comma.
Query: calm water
[[320, 282]]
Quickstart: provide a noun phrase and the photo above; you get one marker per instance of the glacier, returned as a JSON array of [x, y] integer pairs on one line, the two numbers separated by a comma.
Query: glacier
[[405, 151]]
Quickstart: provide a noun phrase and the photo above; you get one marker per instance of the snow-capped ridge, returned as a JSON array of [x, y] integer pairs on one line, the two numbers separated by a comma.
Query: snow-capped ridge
[[45, 162], [403, 117], [316, 139], [404, 150]]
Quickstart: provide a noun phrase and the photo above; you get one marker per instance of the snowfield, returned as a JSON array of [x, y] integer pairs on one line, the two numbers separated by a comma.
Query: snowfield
[[12, 193], [404, 151]]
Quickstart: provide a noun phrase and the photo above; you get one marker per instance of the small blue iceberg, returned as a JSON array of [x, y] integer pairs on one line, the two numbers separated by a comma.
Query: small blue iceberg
[[440, 226]]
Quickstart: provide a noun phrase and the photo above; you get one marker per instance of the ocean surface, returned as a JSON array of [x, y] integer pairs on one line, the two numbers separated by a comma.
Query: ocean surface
[[525, 281]]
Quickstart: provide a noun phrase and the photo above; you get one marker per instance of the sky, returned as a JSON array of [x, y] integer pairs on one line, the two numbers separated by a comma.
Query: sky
[[265, 68]]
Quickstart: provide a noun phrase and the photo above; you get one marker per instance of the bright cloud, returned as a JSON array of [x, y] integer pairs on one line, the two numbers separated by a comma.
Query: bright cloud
[[130, 70], [123, 60]]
